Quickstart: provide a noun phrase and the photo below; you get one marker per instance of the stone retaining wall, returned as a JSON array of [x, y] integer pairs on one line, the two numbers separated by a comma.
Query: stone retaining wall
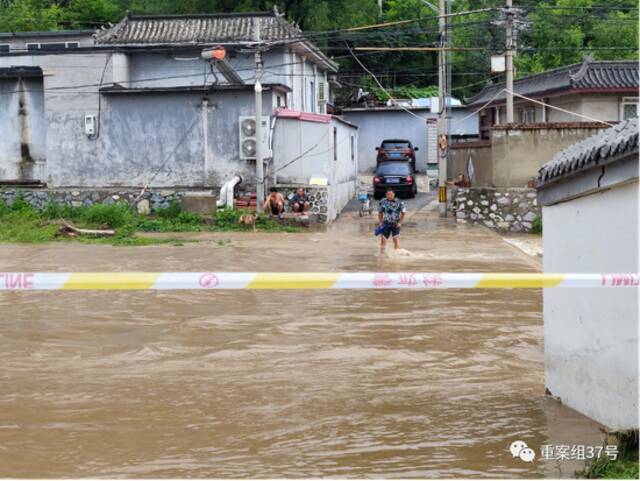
[[318, 198], [150, 200], [38, 198], [502, 209]]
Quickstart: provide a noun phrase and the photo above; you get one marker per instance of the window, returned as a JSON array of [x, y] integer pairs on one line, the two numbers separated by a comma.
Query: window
[[628, 108], [312, 96], [353, 148], [321, 97], [527, 115], [4, 47], [52, 46], [335, 143]]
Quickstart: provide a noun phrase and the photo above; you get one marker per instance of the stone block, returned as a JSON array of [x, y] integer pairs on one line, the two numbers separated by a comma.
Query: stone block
[[198, 203], [503, 201], [143, 207], [529, 216]]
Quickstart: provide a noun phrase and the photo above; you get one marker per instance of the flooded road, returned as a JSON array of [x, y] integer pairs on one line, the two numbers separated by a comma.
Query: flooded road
[[278, 383]]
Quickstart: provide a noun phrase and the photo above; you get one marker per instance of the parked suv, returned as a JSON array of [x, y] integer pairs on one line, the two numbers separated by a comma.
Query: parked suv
[[397, 149], [397, 175]]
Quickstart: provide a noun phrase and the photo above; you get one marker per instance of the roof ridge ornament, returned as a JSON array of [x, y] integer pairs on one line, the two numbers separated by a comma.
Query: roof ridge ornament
[[582, 71]]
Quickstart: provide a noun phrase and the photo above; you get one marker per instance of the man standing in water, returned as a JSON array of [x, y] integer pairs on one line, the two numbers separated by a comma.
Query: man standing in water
[[391, 212]]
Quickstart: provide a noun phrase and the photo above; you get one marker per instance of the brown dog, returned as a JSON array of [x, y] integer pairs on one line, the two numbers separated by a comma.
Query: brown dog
[[248, 220]]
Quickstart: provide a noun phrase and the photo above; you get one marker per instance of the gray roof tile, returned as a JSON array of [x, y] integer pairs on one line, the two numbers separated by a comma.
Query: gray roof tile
[[613, 143], [196, 29], [597, 75]]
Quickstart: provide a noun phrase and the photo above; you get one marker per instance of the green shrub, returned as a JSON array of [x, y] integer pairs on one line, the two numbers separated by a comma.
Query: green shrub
[[114, 215], [151, 225], [189, 218], [618, 469], [20, 205], [536, 225], [54, 210], [229, 218], [171, 212]]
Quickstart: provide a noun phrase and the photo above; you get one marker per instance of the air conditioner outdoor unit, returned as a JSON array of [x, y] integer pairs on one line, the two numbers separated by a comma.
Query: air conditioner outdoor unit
[[247, 126]]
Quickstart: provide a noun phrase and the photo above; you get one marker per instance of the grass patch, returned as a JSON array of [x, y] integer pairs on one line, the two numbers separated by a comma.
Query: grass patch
[[20, 222], [618, 469], [536, 226], [626, 465]]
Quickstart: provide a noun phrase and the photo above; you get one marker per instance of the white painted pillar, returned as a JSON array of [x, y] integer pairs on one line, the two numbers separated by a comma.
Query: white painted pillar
[[121, 69], [303, 91]]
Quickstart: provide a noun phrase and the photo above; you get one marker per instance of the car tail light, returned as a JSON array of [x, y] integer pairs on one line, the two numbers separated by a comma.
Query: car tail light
[[409, 179], [381, 151], [408, 151], [377, 180]]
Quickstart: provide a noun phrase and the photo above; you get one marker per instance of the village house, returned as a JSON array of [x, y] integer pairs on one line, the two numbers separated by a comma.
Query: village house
[[136, 105], [589, 198], [413, 119], [601, 90], [601, 93]]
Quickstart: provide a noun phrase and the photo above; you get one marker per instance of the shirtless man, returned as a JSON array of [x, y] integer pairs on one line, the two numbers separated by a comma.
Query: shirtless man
[[274, 205]]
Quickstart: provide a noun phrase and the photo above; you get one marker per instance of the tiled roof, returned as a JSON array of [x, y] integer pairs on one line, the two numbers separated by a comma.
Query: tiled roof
[[590, 74], [609, 145], [197, 29]]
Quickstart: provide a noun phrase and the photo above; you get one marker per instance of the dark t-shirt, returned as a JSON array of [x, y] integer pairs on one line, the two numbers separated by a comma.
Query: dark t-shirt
[[299, 199]]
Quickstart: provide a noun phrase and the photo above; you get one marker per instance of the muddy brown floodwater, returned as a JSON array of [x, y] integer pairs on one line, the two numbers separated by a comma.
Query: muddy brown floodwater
[[278, 383]]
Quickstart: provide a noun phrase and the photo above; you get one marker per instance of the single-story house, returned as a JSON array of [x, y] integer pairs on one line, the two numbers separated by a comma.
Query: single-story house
[[589, 198], [510, 155], [602, 90], [137, 105], [416, 123]]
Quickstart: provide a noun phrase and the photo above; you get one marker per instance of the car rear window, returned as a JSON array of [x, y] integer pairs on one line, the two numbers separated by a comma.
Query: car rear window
[[395, 145], [394, 168]]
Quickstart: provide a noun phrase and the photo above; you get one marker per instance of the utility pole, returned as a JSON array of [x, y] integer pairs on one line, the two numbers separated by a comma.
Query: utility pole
[[442, 121], [259, 145], [509, 60]]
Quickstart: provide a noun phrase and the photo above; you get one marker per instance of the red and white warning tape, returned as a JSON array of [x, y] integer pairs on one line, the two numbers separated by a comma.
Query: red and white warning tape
[[21, 281]]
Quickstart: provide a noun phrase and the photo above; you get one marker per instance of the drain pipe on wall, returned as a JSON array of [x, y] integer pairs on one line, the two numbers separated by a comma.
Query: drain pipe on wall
[[226, 192]]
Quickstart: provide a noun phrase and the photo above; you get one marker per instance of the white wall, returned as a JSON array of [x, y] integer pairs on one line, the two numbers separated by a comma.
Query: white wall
[[591, 335], [304, 149]]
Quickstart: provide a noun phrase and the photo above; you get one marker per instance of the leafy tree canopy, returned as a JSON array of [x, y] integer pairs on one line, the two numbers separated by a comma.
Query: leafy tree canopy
[[553, 32]]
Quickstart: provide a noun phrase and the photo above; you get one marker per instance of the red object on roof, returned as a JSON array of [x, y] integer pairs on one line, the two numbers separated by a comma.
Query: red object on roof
[[306, 116]]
